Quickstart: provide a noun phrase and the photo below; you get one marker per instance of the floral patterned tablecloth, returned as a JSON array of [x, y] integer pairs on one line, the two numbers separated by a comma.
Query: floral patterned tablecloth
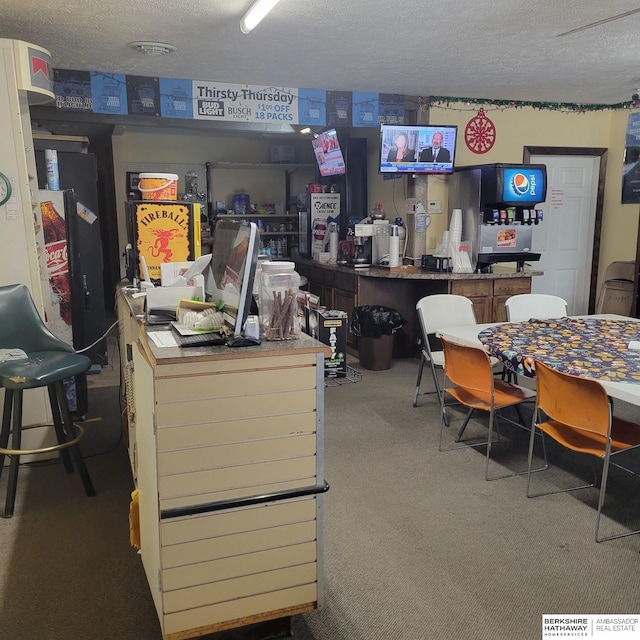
[[588, 347]]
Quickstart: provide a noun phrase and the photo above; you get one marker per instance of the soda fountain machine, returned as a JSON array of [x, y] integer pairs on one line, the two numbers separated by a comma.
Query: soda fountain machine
[[499, 204]]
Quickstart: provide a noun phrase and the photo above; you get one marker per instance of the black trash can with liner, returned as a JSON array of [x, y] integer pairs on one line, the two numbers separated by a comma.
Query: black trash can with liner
[[375, 326]]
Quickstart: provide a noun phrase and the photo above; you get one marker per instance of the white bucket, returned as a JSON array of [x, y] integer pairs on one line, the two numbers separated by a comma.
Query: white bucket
[[158, 186]]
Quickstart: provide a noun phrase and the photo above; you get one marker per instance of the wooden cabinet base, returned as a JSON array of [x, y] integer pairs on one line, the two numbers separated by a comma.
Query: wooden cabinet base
[[268, 625]]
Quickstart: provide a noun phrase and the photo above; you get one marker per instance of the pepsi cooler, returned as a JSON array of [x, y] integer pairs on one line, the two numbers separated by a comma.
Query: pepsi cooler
[[500, 210]]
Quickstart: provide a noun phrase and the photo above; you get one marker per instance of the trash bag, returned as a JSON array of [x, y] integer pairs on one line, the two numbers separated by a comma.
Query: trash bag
[[373, 321]]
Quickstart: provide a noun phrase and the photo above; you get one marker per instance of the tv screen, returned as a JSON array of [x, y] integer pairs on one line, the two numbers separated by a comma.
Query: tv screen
[[417, 148], [232, 270], [328, 154]]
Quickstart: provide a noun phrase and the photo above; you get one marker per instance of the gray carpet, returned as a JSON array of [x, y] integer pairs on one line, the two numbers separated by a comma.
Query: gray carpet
[[417, 544]]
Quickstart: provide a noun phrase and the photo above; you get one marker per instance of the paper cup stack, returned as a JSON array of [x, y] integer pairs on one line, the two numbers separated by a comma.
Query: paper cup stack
[[455, 230]]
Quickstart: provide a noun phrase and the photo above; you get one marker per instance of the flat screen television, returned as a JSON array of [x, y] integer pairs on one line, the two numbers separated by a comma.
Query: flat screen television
[[417, 148], [329, 154], [232, 271]]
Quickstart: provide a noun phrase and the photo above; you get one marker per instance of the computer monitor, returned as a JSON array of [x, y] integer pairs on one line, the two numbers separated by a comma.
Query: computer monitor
[[232, 270]]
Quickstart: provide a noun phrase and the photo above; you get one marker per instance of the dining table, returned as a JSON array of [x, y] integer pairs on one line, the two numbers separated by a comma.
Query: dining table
[[605, 347]]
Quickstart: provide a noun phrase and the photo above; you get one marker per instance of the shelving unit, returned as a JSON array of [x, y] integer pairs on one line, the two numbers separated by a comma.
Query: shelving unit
[[280, 242]]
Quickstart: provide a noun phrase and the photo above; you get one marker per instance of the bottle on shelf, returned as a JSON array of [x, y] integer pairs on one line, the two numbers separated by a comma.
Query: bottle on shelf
[[241, 203]]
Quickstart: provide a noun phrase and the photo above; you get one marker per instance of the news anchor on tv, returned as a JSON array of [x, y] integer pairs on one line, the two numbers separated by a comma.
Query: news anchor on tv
[[436, 152], [400, 152]]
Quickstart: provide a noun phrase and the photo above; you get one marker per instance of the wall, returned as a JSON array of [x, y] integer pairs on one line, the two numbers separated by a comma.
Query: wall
[[515, 129], [166, 150]]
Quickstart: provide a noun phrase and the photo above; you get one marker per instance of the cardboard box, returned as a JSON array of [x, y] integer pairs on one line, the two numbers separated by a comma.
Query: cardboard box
[[308, 305], [332, 331]]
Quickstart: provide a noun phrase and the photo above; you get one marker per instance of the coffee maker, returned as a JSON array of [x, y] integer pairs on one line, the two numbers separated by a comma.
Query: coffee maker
[[363, 245]]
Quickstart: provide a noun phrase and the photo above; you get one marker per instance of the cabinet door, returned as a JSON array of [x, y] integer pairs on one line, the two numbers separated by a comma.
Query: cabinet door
[[326, 297], [502, 291], [479, 292], [345, 301]]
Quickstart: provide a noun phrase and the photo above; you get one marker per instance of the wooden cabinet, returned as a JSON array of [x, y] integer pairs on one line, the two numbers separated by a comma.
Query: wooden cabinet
[[344, 289]]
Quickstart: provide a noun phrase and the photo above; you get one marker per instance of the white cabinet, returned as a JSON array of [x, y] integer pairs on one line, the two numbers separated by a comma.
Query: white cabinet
[[230, 474]]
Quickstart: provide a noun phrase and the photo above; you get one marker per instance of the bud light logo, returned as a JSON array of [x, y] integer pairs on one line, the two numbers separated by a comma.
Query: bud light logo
[[520, 183]]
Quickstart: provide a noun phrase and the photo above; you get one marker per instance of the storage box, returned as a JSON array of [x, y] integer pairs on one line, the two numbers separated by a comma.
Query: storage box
[[282, 153], [332, 331], [308, 305]]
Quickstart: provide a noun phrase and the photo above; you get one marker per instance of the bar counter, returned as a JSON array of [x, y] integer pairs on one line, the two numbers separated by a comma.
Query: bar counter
[[344, 288]]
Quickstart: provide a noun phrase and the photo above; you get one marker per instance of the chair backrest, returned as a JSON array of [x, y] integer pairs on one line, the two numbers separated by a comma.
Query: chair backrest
[[620, 270], [581, 403], [21, 326], [468, 367], [541, 306], [444, 310]]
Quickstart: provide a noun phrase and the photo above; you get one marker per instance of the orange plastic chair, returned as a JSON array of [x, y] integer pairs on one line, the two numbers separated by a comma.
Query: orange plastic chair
[[576, 413], [468, 369]]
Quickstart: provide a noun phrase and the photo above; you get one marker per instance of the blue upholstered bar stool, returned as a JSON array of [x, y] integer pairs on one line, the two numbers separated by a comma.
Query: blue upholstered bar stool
[[48, 362]]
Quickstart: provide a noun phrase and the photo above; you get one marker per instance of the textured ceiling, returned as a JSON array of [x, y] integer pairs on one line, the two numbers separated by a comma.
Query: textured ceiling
[[502, 49]]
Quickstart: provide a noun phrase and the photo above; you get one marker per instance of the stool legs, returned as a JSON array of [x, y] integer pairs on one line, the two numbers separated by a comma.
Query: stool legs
[[59, 427], [70, 432], [65, 431], [16, 439]]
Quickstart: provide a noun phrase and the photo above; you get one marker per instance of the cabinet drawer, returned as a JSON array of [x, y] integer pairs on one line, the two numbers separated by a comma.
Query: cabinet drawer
[[511, 286], [471, 288]]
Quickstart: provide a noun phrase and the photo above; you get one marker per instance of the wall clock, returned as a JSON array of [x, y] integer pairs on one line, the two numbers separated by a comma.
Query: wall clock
[[5, 189]]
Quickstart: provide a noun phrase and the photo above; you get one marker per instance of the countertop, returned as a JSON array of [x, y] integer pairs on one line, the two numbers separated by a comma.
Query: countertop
[[173, 355], [415, 273]]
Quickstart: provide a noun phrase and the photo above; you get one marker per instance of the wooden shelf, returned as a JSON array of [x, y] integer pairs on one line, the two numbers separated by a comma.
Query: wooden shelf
[[261, 165]]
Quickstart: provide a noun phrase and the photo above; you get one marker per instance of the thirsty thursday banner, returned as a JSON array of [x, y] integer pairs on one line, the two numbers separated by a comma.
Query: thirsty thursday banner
[[229, 102]]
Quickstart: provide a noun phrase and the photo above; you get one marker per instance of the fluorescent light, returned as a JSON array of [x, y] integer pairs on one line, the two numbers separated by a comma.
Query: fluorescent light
[[306, 131], [255, 14]]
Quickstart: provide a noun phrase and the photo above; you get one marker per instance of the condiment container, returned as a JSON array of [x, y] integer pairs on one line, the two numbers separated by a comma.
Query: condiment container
[[278, 300]]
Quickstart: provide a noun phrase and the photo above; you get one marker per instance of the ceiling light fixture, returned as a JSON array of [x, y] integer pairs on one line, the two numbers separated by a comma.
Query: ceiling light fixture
[[152, 48], [257, 11]]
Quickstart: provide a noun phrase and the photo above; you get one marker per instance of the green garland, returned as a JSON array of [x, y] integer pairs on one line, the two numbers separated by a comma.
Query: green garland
[[567, 107]]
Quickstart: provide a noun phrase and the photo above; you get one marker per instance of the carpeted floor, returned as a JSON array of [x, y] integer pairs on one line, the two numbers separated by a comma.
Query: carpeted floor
[[417, 544]]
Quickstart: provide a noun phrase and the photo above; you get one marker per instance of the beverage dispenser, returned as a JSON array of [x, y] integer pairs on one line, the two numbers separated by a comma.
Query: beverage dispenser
[[499, 210]]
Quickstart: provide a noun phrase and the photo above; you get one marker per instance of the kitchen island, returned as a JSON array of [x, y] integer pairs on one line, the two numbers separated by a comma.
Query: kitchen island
[[344, 288]]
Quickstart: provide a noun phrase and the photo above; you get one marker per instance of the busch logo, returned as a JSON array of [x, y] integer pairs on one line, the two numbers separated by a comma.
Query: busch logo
[[57, 259]]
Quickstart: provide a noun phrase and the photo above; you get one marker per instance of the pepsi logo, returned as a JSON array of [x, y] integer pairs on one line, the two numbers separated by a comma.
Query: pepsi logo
[[520, 183]]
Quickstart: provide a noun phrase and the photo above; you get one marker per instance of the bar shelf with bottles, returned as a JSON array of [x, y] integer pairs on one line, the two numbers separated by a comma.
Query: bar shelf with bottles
[[278, 232]]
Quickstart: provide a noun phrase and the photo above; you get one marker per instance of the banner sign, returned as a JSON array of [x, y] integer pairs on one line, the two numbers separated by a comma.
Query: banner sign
[[119, 94]]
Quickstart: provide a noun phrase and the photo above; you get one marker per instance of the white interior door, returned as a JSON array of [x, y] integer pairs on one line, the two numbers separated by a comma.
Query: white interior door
[[565, 237]]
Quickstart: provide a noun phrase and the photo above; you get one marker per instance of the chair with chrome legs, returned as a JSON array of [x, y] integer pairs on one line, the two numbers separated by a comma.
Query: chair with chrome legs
[[34, 357], [469, 380], [434, 313], [576, 413]]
